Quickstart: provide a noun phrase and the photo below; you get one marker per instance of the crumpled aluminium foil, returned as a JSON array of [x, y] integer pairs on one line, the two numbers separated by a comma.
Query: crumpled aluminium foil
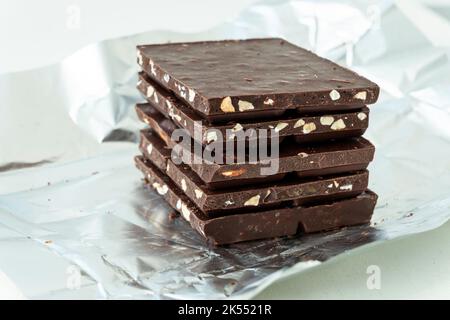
[[76, 221]]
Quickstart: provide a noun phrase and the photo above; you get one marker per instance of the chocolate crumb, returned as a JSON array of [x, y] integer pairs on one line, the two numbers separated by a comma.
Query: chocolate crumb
[[172, 215]]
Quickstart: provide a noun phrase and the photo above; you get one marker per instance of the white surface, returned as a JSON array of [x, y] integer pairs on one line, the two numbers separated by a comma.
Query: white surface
[[35, 34], [415, 267], [8, 290], [42, 32]]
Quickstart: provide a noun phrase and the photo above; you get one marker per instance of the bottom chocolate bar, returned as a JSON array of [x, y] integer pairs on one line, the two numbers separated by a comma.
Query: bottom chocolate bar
[[271, 223]]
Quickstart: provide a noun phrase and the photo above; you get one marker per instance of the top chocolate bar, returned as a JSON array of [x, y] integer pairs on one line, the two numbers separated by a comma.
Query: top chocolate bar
[[218, 77]]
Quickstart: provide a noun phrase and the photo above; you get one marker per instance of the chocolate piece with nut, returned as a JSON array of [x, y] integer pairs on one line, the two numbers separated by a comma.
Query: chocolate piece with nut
[[243, 76], [305, 161], [289, 190], [270, 223], [204, 92]]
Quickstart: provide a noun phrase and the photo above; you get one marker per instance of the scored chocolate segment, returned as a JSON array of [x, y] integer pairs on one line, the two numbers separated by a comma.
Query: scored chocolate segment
[[270, 223], [313, 160], [219, 77], [289, 190]]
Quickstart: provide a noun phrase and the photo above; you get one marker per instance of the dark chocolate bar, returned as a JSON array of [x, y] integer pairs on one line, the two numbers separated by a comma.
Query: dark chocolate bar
[[244, 76], [275, 222], [308, 128], [291, 190], [305, 161], [169, 104]]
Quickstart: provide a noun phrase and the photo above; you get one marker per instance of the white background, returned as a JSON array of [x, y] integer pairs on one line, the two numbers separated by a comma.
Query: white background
[[35, 33]]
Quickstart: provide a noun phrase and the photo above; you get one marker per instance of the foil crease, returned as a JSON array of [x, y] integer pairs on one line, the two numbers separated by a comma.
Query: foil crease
[[76, 221]]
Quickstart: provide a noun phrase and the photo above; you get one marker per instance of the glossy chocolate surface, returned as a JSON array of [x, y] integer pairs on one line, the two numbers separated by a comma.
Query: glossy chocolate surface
[[274, 222], [217, 77]]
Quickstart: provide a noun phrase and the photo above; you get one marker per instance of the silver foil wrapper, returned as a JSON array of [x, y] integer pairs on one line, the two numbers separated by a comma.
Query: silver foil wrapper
[[76, 221]]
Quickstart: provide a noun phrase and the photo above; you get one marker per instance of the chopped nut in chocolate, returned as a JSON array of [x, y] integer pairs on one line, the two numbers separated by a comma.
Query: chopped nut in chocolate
[[308, 112]]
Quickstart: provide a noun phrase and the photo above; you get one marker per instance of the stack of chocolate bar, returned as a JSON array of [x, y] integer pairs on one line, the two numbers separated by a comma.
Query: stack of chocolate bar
[[223, 93]]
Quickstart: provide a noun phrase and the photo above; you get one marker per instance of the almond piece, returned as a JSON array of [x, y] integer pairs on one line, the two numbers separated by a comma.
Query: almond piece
[[233, 173], [245, 105], [362, 116], [362, 95], [183, 185], [268, 101], [227, 105], [237, 128], [326, 120], [185, 212], [338, 125], [150, 91], [253, 201], [198, 193], [335, 95], [228, 203], [161, 189], [191, 95], [309, 127], [149, 148], [303, 154], [348, 187], [139, 56], [280, 126], [152, 67], [166, 77], [299, 123]]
